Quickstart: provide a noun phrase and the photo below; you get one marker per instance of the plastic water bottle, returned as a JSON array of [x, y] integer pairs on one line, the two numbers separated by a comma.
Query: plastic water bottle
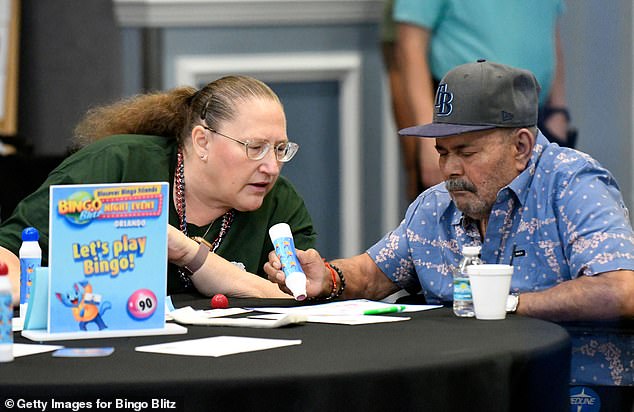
[[462, 298], [30, 259], [6, 315]]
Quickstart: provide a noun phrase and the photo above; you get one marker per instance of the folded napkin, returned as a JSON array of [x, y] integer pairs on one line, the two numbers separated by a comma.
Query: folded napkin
[[189, 316]]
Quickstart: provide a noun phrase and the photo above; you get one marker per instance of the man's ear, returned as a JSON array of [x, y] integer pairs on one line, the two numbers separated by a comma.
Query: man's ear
[[524, 143]]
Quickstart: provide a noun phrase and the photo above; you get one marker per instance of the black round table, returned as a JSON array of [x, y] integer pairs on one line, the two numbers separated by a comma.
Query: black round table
[[433, 362]]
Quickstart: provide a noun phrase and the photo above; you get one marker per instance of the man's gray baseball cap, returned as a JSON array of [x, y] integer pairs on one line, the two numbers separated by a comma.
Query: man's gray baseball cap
[[480, 96]]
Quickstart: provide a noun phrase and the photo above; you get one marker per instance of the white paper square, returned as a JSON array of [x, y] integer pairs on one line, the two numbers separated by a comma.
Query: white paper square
[[217, 346]]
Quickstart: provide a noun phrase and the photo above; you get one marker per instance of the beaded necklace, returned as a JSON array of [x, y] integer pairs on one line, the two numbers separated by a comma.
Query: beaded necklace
[[227, 218]]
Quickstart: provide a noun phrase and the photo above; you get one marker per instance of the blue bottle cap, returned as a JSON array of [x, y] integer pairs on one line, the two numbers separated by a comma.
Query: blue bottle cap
[[30, 234]]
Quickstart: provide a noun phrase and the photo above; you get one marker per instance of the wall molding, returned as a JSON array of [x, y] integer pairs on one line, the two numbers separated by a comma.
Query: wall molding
[[343, 67], [391, 163], [184, 13]]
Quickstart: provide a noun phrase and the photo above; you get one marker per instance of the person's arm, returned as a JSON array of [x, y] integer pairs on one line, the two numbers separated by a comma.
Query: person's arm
[[609, 295], [362, 276], [13, 262], [364, 279], [557, 123], [412, 49], [217, 275], [403, 118]]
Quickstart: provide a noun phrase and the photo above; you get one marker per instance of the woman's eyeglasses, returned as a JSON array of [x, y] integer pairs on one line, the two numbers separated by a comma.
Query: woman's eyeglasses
[[257, 149]]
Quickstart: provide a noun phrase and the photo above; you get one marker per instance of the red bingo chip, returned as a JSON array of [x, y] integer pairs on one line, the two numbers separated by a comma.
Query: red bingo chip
[[219, 301]]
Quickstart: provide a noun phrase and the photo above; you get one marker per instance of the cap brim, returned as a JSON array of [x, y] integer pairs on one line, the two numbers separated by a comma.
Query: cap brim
[[437, 130]]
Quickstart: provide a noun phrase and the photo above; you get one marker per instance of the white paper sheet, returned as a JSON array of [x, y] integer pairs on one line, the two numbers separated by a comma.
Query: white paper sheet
[[217, 346], [218, 313], [343, 308], [340, 319], [210, 313]]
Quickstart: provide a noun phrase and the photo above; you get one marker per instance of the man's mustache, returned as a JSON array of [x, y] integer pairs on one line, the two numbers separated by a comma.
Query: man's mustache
[[459, 185]]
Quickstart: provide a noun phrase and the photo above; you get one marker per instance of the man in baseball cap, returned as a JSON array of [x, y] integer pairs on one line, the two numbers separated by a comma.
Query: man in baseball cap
[[553, 212], [481, 96]]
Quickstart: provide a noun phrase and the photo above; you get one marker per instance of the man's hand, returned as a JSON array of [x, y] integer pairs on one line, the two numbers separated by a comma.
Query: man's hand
[[318, 279]]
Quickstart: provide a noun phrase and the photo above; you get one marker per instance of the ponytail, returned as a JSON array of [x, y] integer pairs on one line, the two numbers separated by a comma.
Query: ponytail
[[161, 114]]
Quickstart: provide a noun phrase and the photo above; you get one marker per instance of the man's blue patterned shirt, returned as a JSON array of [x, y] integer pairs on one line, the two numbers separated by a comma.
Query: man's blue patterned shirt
[[564, 213]]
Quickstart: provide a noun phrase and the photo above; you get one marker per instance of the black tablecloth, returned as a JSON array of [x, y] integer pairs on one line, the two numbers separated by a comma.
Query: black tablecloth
[[433, 362]]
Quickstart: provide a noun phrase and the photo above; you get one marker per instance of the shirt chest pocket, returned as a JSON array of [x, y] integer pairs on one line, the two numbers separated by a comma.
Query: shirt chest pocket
[[538, 265]]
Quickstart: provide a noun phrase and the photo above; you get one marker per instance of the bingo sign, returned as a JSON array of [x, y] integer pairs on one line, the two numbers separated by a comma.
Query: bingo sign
[[108, 257], [584, 399]]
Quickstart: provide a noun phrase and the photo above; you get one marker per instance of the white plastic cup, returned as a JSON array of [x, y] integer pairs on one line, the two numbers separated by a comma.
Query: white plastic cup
[[282, 239], [490, 286]]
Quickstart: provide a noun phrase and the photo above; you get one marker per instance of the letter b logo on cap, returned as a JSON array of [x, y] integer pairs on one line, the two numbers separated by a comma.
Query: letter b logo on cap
[[443, 101]]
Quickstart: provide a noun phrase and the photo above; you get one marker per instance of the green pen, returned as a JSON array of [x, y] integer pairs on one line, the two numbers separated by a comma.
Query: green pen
[[389, 309]]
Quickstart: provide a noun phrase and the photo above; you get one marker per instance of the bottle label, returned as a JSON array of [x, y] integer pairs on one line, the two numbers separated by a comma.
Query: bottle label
[[461, 289], [6, 314], [27, 271]]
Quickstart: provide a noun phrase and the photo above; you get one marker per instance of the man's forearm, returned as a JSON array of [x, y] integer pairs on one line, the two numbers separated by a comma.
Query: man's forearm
[[364, 279], [606, 296]]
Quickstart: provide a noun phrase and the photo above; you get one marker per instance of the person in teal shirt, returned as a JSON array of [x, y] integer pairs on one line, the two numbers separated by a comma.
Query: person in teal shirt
[[434, 36], [221, 148]]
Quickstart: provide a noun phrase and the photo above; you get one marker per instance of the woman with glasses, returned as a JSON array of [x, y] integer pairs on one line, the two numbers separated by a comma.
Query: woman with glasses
[[222, 149]]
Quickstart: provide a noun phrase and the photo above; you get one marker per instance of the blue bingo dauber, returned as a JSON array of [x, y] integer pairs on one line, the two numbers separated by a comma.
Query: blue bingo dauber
[[282, 239]]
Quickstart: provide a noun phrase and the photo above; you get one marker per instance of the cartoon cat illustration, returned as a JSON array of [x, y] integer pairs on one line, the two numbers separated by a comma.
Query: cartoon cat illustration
[[86, 306]]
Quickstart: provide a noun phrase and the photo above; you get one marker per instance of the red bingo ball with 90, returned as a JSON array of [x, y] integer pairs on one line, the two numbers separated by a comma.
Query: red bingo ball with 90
[[219, 301]]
